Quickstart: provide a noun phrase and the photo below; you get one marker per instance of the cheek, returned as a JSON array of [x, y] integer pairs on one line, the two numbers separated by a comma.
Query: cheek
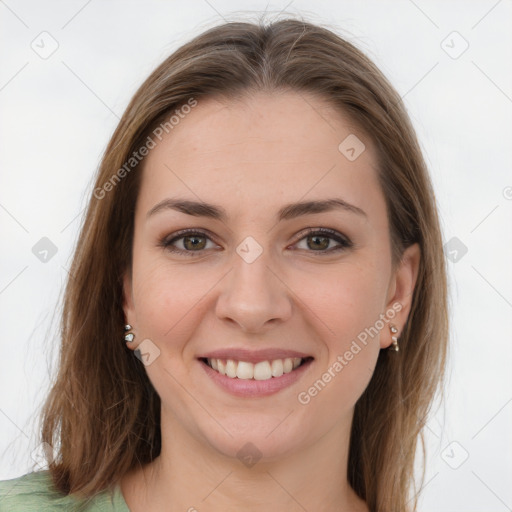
[[333, 393], [348, 307], [346, 299], [169, 299]]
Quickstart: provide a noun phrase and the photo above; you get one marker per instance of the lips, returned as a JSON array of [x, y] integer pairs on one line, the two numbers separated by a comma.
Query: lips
[[251, 387], [254, 373]]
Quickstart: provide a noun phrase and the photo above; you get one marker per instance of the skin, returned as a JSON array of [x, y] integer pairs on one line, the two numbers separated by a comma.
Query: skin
[[252, 157]]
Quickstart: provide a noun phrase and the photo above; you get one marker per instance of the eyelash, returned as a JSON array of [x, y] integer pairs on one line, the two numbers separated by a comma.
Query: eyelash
[[344, 242]]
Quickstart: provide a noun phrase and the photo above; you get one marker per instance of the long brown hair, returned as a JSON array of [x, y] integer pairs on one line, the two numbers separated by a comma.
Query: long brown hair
[[102, 414]]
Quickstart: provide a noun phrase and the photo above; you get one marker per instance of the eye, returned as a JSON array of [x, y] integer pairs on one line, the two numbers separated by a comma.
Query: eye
[[191, 242], [321, 238]]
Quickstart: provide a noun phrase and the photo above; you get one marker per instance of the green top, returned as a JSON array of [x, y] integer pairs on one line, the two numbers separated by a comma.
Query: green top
[[34, 492]]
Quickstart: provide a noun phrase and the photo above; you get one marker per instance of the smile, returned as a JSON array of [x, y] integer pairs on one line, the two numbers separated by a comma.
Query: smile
[[253, 380], [264, 370]]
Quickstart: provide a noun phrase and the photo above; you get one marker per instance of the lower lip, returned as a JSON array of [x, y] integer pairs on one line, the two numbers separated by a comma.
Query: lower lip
[[256, 388]]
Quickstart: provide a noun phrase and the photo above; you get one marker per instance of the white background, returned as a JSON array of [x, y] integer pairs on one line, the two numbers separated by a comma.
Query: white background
[[58, 113]]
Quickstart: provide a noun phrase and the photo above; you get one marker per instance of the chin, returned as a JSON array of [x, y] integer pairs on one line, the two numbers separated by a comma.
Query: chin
[[259, 439]]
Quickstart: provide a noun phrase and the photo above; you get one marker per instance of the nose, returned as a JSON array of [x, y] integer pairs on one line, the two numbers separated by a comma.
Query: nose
[[254, 296]]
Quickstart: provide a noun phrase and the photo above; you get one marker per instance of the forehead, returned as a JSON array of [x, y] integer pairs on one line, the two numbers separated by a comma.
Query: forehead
[[262, 150]]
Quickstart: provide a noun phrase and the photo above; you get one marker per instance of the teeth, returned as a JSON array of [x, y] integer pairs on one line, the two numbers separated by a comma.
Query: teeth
[[264, 370], [231, 368], [244, 370], [277, 368]]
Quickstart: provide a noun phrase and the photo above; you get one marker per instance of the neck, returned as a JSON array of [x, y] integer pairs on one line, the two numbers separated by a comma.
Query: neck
[[190, 475]]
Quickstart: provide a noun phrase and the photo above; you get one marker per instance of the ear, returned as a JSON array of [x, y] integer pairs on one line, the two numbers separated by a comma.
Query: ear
[[401, 290]]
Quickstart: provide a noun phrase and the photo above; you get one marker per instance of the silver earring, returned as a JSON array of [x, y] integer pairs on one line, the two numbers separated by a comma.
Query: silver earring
[[129, 336], [394, 330]]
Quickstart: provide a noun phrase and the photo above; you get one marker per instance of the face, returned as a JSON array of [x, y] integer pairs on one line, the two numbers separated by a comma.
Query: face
[[294, 303]]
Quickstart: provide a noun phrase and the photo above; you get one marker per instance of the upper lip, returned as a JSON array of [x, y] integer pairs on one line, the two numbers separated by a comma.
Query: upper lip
[[252, 356]]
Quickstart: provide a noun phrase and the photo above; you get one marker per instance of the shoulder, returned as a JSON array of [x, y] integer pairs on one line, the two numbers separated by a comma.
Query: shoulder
[[34, 492]]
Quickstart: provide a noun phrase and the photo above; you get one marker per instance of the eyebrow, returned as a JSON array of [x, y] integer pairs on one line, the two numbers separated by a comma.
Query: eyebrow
[[287, 212]]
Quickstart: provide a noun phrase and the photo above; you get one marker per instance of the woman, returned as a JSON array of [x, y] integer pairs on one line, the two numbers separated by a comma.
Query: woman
[[263, 240]]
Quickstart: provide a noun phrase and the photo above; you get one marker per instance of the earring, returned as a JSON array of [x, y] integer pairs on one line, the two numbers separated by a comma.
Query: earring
[[129, 336], [394, 330]]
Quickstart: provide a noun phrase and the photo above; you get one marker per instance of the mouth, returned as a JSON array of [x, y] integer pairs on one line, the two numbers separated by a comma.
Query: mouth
[[265, 375], [262, 370]]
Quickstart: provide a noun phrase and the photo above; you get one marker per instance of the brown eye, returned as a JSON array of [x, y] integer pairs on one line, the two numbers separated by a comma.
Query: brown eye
[[192, 242], [318, 240], [187, 242]]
